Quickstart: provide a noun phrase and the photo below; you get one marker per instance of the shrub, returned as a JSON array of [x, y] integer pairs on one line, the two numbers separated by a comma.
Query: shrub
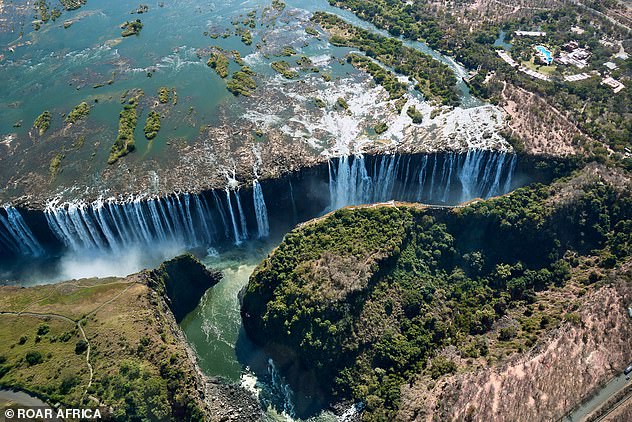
[[507, 333], [81, 347], [152, 125], [78, 113], [33, 358], [381, 128], [442, 366], [43, 122]]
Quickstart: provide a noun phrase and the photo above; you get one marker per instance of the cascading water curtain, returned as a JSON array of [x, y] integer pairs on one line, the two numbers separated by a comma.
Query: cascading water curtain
[[447, 178], [15, 235], [205, 220]]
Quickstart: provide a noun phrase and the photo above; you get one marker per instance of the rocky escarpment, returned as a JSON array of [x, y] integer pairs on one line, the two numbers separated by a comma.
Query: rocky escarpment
[[183, 280], [364, 301], [114, 342]]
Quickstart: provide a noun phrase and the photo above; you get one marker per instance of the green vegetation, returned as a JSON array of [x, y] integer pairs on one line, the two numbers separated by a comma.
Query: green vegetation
[[311, 31], [246, 37], [152, 125], [381, 76], [140, 365], [288, 51], [278, 5], [237, 58], [241, 83], [55, 166], [44, 13], [284, 69], [219, 62], [589, 104], [174, 94], [380, 128], [163, 95], [433, 78], [319, 102], [368, 297], [42, 123], [78, 113], [128, 118], [342, 103], [131, 28], [415, 114], [305, 62], [72, 4]]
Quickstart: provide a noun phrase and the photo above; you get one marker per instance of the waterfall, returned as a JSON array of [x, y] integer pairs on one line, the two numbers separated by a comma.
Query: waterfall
[[202, 211], [242, 217], [469, 174], [438, 178], [261, 211], [188, 221], [294, 211], [422, 178], [16, 235], [233, 219], [222, 213], [281, 391], [184, 220]]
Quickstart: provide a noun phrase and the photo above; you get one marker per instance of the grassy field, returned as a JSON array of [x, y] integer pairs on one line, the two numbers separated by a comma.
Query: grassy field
[[546, 70], [97, 342]]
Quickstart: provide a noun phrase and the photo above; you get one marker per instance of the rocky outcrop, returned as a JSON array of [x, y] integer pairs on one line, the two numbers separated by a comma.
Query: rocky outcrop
[[183, 280], [381, 304]]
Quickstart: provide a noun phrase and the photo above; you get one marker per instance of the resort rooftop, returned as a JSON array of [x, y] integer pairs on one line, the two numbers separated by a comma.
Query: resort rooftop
[[614, 84], [531, 33]]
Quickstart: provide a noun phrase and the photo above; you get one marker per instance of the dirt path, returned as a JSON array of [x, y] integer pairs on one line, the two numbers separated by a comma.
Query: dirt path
[[77, 323]]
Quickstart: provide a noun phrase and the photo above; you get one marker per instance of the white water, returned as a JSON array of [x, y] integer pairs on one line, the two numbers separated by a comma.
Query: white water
[[16, 234], [188, 221], [282, 389], [233, 220], [440, 179], [261, 211]]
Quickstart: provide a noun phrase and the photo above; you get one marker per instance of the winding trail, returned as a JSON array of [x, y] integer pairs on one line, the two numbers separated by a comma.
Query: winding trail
[[65, 318], [78, 323]]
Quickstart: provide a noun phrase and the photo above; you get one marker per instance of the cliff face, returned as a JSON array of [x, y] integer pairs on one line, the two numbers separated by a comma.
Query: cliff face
[[114, 340], [183, 280], [367, 300]]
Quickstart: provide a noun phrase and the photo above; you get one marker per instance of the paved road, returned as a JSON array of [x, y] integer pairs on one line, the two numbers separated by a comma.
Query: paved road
[[609, 390], [597, 12]]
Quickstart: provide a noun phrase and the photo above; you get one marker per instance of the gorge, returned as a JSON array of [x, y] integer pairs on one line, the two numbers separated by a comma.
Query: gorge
[[364, 228], [221, 217]]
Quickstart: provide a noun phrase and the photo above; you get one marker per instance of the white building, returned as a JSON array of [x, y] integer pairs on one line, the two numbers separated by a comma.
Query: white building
[[531, 33], [614, 84]]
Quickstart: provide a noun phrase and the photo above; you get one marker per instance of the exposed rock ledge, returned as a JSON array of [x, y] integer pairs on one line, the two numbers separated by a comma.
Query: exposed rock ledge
[[128, 329]]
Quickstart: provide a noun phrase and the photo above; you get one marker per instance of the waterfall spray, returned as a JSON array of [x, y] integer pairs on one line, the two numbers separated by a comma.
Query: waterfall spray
[[261, 211], [16, 234]]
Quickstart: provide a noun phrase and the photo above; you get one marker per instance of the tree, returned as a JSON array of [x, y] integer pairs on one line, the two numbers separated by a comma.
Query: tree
[[34, 357]]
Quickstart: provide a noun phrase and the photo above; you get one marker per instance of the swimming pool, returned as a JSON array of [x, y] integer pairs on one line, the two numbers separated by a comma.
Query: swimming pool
[[545, 54]]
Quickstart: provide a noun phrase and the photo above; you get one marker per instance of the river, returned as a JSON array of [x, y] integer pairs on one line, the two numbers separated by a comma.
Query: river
[[89, 53]]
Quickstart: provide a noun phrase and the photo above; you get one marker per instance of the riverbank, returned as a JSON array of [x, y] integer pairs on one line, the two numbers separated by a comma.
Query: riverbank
[[79, 343], [413, 311]]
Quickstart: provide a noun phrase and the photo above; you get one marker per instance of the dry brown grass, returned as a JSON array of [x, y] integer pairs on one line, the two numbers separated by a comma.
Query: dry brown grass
[[542, 384], [542, 128]]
